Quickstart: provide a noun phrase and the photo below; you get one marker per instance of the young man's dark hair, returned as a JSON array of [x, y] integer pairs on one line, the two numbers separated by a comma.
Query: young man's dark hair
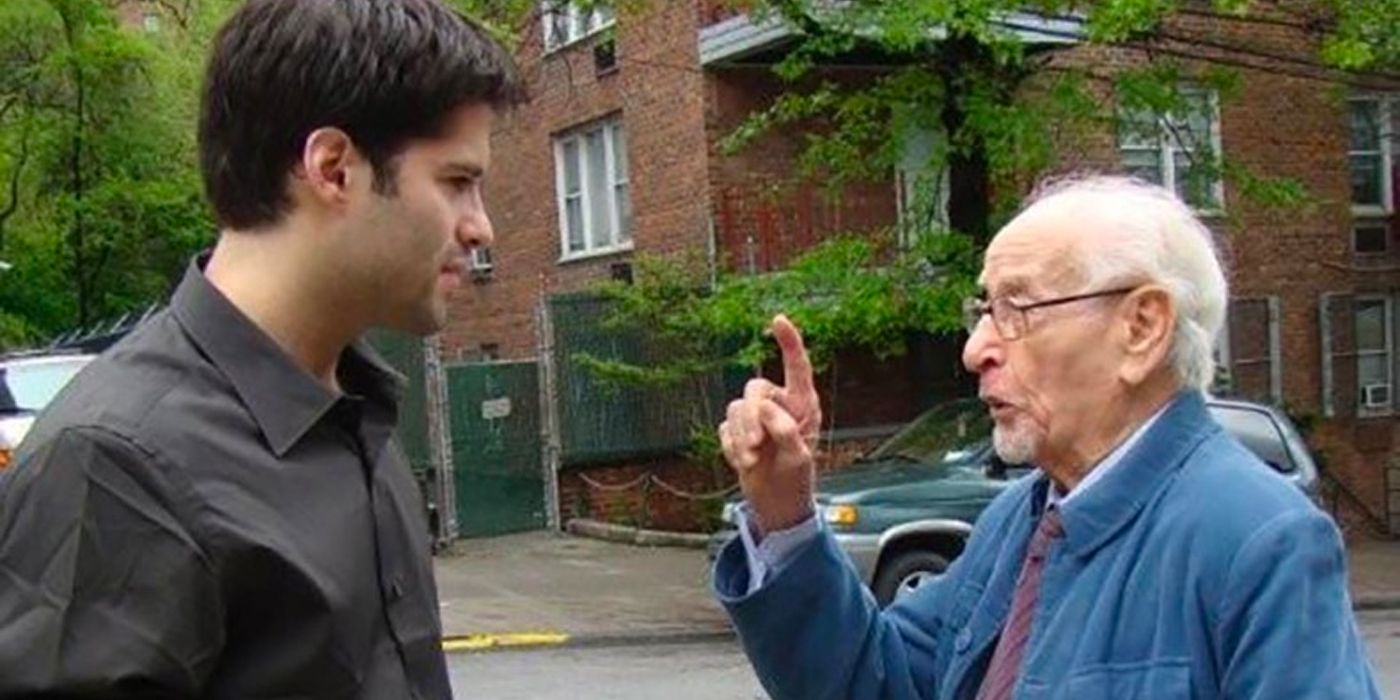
[[387, 72]]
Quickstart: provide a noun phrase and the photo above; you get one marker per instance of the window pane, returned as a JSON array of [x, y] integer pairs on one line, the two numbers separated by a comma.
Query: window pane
[[599, 200], [1370, 325], [1193, 182], [1138, 131], [573, 213], [1370, 237], [556, 28], [619, 153], [1365, 125], [624, 213], [1366, 181], [1190, 129], [571, 178], [581, 18], [1143, 164], [1371, 369], [603, 16]]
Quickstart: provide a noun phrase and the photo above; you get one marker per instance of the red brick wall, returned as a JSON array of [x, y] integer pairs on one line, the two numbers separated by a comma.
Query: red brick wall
[[1290, 126], [658, 92]]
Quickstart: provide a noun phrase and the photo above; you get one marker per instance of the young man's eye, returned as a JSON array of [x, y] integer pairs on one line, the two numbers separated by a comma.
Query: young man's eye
[[461, 184]]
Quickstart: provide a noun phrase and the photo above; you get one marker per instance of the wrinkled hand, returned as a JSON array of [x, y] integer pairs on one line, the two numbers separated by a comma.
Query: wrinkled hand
[[769, 436]]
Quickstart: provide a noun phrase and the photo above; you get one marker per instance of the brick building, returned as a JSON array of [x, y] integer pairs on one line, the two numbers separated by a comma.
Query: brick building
[[617, 154]]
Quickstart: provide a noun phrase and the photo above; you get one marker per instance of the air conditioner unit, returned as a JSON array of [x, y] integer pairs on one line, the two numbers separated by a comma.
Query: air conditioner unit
[[1375, 395], [481, 263]]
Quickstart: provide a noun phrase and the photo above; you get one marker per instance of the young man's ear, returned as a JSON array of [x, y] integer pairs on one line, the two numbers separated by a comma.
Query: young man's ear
[[326, 166]]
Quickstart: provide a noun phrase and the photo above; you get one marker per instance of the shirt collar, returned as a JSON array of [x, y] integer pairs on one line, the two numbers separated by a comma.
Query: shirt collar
[[1095, 516], [284, 399], [1105, 465]]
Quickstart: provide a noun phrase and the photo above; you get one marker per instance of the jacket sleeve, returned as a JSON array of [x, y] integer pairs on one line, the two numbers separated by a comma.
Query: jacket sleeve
[[1286, 628], [813, 631], [103, 592]]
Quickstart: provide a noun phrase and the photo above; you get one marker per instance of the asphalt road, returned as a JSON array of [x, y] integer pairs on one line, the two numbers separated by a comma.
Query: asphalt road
[[718, 671]]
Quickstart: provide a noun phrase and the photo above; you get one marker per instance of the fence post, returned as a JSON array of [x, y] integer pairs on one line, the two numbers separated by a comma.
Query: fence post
[[549, 412], [440, 439]]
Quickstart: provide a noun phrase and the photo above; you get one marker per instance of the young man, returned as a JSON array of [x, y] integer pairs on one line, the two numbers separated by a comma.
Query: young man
[[217, 506]]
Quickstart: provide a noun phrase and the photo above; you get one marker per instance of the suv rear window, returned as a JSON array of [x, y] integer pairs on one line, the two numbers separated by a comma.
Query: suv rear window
[[1258, 432], [29, 387]]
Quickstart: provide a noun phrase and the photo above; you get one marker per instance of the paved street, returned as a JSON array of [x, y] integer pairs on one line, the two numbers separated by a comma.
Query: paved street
[[713, 671], [717, 671], [1381, 629]]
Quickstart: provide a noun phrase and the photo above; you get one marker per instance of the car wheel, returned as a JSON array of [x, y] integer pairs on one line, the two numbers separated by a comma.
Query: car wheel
[[905, 572]]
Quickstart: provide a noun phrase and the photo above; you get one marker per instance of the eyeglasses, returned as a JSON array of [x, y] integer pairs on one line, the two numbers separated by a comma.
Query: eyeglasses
[[1009, 318]]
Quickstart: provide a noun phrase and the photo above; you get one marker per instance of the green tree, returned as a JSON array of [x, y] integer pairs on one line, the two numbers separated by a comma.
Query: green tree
[[102, 204], [1002, 108]]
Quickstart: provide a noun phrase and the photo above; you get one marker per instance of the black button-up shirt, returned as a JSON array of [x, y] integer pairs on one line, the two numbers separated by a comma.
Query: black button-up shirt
[[196, 516]]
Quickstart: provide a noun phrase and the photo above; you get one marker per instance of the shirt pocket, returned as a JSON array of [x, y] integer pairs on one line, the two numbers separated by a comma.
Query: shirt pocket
[[1159, 679]]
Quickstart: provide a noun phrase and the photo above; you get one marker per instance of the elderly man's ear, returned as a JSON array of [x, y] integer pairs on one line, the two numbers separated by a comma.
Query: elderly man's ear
[[1145, 329]]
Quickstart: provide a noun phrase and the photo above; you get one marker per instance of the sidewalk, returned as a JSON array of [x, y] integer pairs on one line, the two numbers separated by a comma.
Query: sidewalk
[[544, 588], [1375, 574]]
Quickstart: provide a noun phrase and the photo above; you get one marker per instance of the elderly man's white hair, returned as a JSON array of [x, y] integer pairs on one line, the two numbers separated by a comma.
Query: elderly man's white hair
[[1150, 235]]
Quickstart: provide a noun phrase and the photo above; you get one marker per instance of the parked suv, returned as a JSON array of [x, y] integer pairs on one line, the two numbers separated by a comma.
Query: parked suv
[[27, 384], [903, 511]]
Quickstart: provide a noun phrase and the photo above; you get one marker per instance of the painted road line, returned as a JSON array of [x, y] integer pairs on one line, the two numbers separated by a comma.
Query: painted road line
[[506, 640]]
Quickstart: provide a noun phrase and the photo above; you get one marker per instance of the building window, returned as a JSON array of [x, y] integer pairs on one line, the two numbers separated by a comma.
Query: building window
[[921, 184], [595, 207], [1370, 237], [1179, 150], [566, 23], [1373, 354], [1370, 154]]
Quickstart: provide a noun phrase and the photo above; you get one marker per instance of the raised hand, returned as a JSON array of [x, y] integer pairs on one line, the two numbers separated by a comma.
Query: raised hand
[[769, 435]]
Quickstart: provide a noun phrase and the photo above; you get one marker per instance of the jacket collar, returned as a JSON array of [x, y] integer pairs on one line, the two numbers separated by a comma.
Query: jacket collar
[[1096, 517]]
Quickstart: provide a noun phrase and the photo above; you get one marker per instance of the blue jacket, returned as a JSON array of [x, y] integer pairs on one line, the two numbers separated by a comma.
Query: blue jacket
[[1189, 571]]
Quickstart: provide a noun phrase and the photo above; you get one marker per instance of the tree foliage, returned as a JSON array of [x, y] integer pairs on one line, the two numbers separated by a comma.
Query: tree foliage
[[101, 206]]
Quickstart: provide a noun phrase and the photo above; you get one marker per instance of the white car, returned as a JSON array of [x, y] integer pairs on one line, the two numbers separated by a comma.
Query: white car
[[27, 385]]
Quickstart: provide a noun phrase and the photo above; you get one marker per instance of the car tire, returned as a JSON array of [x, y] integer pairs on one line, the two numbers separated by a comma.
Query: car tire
[[905, 572]]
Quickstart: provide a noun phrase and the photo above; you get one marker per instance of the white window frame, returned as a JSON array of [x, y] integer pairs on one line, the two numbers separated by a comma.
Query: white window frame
[[1385, 114], [600, 18], [1167, 150], [1388, 313], [620, 240]]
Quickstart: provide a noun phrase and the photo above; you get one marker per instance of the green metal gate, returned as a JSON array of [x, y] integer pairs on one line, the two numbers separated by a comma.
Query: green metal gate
[[405, 354], [495, 414]]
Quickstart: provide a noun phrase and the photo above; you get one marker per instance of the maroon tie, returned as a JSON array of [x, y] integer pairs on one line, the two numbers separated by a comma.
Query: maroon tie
[[1006, 661]]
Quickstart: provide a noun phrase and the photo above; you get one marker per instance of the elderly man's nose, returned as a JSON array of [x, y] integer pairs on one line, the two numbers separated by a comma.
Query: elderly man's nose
[[981, 348]]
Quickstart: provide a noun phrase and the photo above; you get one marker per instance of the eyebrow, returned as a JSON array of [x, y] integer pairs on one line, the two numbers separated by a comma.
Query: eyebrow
[[470, 169], [1009, 287]]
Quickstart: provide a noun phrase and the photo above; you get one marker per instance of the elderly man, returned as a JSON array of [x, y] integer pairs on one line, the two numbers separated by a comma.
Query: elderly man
[[1149, 556]]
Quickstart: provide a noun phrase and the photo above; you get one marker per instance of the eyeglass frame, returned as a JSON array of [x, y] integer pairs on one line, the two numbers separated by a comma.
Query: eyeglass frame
[[984, 308]]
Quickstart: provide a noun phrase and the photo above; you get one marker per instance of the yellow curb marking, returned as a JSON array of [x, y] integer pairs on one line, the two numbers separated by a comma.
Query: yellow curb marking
[[480, 642]]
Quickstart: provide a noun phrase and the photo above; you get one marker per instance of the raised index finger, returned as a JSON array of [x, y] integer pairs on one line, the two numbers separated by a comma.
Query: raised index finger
[[797, 367]]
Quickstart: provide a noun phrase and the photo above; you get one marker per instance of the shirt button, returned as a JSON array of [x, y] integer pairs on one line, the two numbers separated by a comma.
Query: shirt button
[[964, 640], [395, 589]]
